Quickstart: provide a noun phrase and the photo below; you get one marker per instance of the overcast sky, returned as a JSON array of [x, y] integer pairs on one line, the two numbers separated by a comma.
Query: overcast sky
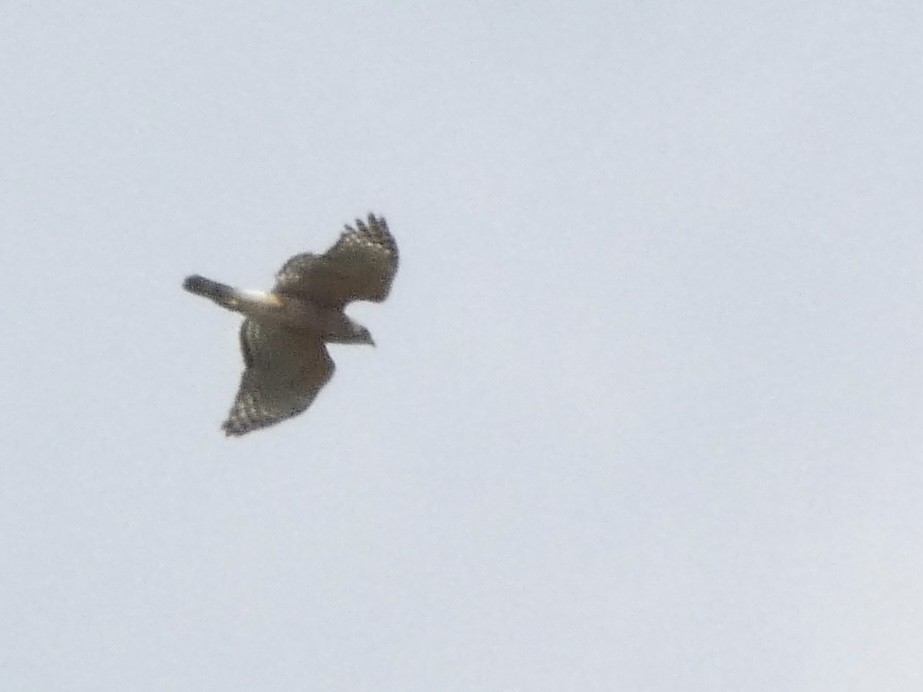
[[646, 410]]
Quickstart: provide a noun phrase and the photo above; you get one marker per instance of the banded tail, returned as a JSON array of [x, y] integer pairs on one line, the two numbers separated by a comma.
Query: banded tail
[[253, 303], [226, 296]]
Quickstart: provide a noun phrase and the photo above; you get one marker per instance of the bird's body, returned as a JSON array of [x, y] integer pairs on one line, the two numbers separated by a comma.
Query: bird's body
[[285, 331], [332, 325]]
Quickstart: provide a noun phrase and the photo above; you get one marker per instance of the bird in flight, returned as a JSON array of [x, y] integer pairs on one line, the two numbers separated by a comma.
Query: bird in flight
[[285, 331]]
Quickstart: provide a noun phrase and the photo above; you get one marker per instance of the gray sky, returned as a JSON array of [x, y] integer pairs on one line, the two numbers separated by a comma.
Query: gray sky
[[645, 412]]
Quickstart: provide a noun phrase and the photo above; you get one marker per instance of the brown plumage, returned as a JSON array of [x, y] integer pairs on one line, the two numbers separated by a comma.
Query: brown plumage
[[283, 338]]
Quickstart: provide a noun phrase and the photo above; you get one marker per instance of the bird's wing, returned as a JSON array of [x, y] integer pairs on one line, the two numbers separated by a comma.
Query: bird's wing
[[360, 266], [285, 368]]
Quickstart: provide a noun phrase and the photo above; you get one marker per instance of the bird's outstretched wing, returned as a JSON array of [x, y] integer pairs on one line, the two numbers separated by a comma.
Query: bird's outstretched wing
[[360, 266], [285, 368]]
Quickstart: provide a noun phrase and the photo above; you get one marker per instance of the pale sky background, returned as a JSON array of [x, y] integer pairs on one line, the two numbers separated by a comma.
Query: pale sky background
[[646, 411]]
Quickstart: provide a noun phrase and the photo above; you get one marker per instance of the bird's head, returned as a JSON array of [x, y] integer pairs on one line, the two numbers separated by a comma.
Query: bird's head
[[356, 333], [364, 336]]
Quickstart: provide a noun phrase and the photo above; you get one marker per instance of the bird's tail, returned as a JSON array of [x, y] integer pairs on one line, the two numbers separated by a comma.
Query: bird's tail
[[226, 296], [253, 303]]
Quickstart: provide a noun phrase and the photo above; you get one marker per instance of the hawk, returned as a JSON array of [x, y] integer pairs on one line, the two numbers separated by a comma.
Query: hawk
[[284, 334]]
